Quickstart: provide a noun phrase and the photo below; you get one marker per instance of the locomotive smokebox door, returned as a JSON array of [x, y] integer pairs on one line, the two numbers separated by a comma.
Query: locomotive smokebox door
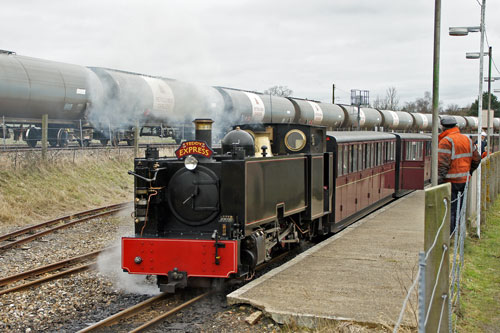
[[195, 201]]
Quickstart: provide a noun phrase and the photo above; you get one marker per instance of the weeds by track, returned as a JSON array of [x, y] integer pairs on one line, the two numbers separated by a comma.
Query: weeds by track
[[25, 148]]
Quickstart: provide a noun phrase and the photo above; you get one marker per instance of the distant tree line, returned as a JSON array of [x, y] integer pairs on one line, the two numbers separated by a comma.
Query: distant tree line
[[282, 91], [423, 104]]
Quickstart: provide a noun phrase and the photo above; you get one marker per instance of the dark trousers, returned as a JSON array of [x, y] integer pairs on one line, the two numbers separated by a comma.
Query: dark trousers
[[457, 189]]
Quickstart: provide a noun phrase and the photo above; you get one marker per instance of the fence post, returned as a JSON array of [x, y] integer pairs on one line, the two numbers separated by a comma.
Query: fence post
[[421, 293], [136, 139], [436, 245], [484, 180], [4, 129], [81, 135], [45, 130]]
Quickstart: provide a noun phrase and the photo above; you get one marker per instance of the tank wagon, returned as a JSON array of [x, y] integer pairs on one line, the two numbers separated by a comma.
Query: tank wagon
[[422, 121], [30, 88], [85, 103]]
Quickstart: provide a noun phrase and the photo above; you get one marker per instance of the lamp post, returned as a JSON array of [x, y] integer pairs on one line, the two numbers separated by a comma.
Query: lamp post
[[489, 79], [435, 92], [464, 31]]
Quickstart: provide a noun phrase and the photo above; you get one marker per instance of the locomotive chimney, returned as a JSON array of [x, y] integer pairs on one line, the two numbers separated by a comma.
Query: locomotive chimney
[[204, 130]]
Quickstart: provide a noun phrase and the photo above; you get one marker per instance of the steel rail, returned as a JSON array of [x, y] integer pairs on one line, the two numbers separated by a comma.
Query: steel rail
[[140, 307], [59, 219], [169, 313], [123, 314], [80, 217], [47, 278], [48, 268]]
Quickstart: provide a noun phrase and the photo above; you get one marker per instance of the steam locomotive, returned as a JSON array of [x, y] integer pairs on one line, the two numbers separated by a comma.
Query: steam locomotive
[[206, 216]]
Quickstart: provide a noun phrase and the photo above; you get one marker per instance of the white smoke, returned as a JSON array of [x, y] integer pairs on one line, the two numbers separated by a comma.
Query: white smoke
[[119, 100], [109, 265]]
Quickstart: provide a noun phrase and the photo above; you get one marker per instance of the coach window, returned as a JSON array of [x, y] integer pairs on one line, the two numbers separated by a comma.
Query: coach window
[[373, 145], [361, 158], [379, 153], [408, 151], [349, 153], [374, 154], [392, 151], [340, 155], [354, 157], [419, 153], [368, 155], [345, 160]]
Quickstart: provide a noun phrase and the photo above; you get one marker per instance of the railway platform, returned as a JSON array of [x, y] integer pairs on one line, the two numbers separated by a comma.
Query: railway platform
[[361, 274]]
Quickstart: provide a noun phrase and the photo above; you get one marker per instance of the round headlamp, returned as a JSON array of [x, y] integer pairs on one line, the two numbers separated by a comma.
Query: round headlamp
[[190, 162]]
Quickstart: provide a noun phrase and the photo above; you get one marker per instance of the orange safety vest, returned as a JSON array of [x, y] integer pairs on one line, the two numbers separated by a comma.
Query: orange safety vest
[[455, 150]]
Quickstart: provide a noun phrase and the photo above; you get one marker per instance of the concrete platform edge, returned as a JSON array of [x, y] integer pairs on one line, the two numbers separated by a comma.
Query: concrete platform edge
[[301, 319]]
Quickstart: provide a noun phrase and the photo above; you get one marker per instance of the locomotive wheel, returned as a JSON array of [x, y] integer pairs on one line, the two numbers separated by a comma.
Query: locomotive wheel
[[86, 143], [62, 138], [31, 143], [104, 142], [33, 135]]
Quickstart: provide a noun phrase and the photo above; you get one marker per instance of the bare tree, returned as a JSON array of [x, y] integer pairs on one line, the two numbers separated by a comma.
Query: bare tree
[[391, 98], [390, 102], [456, 110], [282, 91], [379, 103], [423, 105]]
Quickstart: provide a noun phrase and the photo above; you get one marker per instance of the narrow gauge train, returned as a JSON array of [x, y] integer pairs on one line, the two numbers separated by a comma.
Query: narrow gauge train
[[203, 217]]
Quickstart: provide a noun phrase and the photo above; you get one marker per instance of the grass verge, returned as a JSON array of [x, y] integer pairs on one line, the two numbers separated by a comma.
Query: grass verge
[[43, 190], [480, 290]]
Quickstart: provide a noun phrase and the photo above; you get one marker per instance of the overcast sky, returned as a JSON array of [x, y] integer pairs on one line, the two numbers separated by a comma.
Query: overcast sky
[[305, 45]]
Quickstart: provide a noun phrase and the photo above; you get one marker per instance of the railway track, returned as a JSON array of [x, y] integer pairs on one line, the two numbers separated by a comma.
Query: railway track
[[56, 270], [12, 239], [148, 304]]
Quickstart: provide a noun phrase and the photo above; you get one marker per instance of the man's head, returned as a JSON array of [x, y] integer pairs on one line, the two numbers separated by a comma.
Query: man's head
[[483, 135], [448, 122]]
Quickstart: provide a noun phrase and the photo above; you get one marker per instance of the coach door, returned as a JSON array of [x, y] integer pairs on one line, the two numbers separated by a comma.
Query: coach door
[[412, 165]]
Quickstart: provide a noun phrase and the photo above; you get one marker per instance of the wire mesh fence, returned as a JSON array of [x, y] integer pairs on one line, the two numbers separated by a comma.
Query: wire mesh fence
[[441, 264], [16, 159]]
